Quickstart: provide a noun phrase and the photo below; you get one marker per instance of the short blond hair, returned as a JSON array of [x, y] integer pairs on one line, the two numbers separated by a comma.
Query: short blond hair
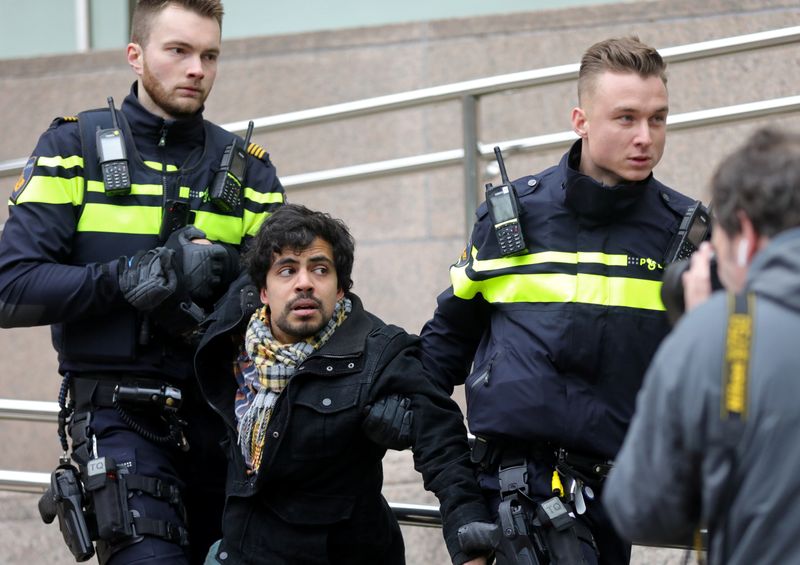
[[619, 55], [147, 10]]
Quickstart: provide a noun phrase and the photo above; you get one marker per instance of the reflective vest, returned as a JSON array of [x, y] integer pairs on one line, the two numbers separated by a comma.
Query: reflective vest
[[558, 337], [107, 227]]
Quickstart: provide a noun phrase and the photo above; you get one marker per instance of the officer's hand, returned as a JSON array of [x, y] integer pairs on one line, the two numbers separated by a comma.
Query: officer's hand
[[479, 538], [388, 422], [697, 278], [205, 267], [148, 278]]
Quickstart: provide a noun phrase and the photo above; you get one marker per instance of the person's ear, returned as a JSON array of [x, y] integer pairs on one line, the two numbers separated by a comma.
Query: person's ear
[[748, 242], [264, 297], [135, 56], [742, 252], [579, 122]]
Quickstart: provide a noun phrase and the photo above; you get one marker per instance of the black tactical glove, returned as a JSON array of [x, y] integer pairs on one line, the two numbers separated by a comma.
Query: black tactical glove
[[148, 278], [479, 538], [206, 268], [388, 422], [151, 282]]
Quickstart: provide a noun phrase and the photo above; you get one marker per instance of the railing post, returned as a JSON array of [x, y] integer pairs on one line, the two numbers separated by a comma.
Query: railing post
[[472, 158]]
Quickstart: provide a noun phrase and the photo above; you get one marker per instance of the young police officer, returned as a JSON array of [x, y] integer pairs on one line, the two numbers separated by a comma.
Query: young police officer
[[109, 240], [713, 442], [552, 340], [293, 375]]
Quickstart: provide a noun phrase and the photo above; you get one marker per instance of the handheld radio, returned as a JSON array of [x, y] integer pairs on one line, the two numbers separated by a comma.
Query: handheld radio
[[695, 228], [504, 211], [112, 157], [226, 188]]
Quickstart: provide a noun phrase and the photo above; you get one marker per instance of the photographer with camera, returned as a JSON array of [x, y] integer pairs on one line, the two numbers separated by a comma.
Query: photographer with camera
[[713, 441]]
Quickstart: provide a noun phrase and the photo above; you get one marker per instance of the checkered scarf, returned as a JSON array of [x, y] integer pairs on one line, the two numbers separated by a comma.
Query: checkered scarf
[[263, 369]]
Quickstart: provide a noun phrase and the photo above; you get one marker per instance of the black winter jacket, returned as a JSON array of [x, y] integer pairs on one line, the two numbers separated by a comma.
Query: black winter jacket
[[317, 495], [552, 344], [64, 235]]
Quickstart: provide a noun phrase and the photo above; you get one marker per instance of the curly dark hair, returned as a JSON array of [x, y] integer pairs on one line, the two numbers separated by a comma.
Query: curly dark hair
[[294, 227], [762, 180]]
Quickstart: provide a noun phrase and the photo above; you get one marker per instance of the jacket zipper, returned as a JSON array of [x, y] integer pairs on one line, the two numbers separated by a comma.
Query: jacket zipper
[[484, 378]]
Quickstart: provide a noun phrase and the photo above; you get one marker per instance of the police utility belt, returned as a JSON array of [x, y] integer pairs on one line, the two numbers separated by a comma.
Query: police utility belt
[[489, 454], [91, 503], [527, 531], [134, 398]]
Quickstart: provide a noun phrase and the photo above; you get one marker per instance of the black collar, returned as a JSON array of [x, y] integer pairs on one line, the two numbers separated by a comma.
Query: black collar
[[180, 137], [592, 200]]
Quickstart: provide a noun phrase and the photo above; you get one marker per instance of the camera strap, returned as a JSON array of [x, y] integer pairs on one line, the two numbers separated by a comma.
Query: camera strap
[[736, 364], [733, 397]]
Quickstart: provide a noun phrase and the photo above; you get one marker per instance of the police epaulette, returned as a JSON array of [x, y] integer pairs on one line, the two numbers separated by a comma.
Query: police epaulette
[[674, 202], [257, 151], [63, 120]]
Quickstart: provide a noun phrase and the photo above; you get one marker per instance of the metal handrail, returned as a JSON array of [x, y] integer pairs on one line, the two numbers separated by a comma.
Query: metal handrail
[[420, 515], [675, 122], [510, 81], [29, 410], [480, 87]]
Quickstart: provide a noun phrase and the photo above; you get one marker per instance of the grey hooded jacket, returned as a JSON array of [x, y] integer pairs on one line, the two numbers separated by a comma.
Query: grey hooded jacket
[[676, 470]]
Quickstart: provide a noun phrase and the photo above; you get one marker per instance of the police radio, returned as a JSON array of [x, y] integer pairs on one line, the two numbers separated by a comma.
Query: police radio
[[504, 211], [226, 188], [695, 228], [112, 157]]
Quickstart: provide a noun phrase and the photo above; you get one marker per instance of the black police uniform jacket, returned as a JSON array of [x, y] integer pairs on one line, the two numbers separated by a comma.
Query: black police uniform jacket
[[64, 235], [562, 334], [317, 496]]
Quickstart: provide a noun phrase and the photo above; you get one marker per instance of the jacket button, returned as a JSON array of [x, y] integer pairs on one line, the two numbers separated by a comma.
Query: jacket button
[[327, 402], [351, 365], [276, 435], [329, 368], [532, 182], [223, 555]]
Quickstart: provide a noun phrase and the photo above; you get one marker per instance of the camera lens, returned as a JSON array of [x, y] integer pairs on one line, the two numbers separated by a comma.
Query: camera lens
[[672, 289]]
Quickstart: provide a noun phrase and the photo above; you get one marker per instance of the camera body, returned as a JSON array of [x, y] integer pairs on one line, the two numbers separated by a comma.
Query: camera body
[[672, 287], [695, 228]]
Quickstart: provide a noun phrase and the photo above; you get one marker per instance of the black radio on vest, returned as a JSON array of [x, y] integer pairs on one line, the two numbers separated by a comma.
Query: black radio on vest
[[226, 189], [112, 157], [695, 228], [504, 211]]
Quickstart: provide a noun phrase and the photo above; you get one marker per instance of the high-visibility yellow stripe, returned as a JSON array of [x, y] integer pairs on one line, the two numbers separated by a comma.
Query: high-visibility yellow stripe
[[581, 288], [263, 197], [53, 190], [226, 229], [140, 189], [252, 222], [65, 162], [160, 166], [111, 218], [547, 257]]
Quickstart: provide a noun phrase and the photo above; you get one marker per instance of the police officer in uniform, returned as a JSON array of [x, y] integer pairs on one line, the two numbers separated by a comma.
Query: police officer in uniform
[[552, 342], [124, 263]]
